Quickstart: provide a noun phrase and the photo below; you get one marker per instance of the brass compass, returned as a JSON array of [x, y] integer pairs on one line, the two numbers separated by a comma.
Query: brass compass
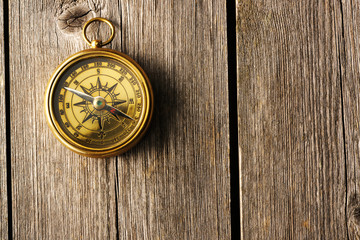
[[99, 102]]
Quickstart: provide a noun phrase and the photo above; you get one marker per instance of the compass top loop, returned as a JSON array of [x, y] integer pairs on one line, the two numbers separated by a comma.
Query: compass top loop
[[98, 43]]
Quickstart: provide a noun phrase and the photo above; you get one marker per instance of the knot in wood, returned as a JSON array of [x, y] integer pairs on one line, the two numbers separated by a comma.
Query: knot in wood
[[72, 19]]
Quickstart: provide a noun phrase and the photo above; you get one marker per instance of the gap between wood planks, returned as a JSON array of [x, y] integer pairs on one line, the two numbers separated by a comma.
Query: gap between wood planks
[[7, 117], [233, 122], [342, 48]]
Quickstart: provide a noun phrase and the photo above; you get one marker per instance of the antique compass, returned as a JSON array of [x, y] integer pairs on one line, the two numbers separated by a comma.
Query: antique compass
[[99, 102]]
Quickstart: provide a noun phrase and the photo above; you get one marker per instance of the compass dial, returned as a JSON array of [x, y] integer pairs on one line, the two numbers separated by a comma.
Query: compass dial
[[99, 103]]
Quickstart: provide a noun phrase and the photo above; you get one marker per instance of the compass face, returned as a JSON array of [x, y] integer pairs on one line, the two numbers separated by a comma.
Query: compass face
[[99, 103]]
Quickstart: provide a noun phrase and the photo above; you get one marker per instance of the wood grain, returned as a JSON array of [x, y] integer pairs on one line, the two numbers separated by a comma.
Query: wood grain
[[56, 193], [3, 159], [291, 136], [350, 75], [178, 178], [175, 184]]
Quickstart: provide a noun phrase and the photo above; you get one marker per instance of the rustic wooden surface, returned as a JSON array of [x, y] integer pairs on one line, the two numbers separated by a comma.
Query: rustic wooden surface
[[176, 183], [350, 58], [298, 123], [3, 175], [298, 80]]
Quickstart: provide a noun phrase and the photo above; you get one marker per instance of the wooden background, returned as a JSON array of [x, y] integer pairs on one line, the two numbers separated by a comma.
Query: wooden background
[[255, 133]]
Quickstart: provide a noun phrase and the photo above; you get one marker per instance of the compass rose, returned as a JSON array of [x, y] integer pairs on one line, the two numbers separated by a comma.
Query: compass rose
[[99, 103]]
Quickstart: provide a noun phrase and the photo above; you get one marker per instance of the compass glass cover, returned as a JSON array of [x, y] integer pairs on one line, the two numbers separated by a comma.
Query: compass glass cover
[[115, 115]]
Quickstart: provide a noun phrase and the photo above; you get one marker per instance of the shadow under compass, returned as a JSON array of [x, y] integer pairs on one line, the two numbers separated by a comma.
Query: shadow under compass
[[166, 102]]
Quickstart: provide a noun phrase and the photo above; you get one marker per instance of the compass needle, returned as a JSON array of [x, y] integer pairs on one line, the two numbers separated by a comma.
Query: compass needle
[[115, 116], [116, 112], [85, 96]]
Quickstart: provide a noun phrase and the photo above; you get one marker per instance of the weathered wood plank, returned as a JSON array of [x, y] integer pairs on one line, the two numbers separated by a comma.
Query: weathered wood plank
[[350, 74], [175, 183], [178, 179], [56, 194], [292, 161], [3, 174]]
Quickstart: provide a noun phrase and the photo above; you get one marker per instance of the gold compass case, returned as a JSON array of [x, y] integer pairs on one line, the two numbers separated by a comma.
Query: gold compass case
[[99, 102]]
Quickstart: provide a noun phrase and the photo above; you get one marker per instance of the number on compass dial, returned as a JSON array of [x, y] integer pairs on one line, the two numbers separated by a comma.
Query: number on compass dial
[[98, 102]]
